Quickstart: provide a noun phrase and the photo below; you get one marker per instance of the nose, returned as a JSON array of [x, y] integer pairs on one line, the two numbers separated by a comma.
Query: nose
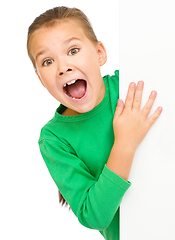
[[64, 65], [63, 71]]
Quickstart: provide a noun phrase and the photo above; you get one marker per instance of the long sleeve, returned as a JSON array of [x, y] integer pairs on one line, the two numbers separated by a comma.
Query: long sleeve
[[94, 201]]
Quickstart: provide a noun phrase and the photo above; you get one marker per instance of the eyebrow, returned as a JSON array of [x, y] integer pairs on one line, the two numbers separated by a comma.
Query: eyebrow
[[71, 39], [40, 53], [65, 42]]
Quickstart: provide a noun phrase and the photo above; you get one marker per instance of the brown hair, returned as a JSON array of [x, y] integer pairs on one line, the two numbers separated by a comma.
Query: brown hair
[[48, 19], [59, 14]]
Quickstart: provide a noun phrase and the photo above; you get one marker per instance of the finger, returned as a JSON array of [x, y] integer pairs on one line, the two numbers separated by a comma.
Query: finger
[[138, 95], [130, 96], [119, 110], [147, 108], [155, 116]]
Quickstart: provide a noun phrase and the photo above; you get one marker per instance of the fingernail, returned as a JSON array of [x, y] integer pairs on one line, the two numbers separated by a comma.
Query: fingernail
[[160, 109], [140, 83], [119, 102], [132, 84], [153, 93]]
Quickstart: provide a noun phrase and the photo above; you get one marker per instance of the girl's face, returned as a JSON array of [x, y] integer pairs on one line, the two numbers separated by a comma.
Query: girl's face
[[68, 65]]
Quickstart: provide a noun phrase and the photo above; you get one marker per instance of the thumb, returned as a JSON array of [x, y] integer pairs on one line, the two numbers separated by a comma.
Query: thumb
[[119, 110]]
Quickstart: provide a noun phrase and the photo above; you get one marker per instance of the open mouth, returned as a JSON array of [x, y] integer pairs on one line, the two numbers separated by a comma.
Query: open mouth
[[75, 89]]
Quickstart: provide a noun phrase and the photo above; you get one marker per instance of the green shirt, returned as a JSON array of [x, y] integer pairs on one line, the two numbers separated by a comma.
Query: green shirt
[[76, 150]]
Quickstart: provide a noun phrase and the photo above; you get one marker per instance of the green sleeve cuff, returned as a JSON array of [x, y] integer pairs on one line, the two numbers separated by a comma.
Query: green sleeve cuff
[[115, 179]]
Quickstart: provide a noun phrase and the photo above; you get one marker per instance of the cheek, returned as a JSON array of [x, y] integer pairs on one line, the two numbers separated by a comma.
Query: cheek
[[47, 76], [89, 58]]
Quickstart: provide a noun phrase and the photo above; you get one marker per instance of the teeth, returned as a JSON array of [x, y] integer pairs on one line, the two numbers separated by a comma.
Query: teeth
[[71, 82]]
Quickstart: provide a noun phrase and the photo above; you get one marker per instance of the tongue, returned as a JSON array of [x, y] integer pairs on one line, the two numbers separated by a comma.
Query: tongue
[[77, 90]]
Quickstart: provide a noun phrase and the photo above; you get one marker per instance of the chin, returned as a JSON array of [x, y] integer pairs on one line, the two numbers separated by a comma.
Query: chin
[[85, 109]]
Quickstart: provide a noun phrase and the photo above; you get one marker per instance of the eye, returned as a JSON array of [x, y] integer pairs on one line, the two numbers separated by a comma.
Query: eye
[[73, 51], [47, 62]]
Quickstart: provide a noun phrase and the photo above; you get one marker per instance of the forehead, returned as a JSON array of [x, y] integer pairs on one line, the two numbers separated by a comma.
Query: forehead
[[59, 32]]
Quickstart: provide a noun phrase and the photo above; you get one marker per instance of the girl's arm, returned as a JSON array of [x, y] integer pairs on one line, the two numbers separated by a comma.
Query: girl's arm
[[130, 127]]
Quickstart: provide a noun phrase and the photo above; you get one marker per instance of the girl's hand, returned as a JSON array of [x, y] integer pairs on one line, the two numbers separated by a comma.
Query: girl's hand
[[130, 123]]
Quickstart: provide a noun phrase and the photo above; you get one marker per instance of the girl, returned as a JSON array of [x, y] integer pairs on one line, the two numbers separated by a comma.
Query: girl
[[89, 144]]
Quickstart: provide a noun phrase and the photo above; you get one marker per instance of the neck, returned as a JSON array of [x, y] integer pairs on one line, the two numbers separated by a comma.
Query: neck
[[70, 112]]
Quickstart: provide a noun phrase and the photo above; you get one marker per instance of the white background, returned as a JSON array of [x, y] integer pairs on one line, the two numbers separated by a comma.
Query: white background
[[29, 207], [147, 52]]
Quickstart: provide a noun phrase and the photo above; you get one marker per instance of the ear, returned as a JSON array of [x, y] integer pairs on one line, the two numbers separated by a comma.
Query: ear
[[39, 77], [102, 53]]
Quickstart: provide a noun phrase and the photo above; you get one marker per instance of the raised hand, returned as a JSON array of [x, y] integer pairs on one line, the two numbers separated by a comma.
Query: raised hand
[[130, 124]]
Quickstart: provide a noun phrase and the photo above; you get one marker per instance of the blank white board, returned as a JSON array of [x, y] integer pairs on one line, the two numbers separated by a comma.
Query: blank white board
[[147, 52]]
